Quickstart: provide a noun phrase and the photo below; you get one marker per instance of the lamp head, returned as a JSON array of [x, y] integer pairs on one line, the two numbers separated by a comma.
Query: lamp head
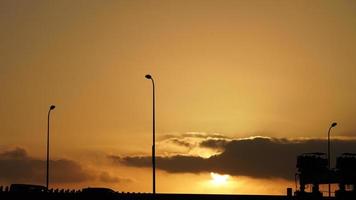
[[333, 124], [148, 76], [52, 107]]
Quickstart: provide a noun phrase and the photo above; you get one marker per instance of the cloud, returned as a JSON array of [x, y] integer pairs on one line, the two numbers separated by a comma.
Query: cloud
[[189, 144], [203, 135], [214, 143], [69, 171], [108, 178], [174, 164], [17, 153], [258, 157], [17, 166]]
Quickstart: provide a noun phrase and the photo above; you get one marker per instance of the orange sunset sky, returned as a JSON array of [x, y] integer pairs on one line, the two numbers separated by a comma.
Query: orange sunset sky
[[242, 88]]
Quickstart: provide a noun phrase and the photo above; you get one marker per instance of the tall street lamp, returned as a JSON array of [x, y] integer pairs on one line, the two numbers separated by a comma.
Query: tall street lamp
[[47, 172], [148, 76], [331, 126]]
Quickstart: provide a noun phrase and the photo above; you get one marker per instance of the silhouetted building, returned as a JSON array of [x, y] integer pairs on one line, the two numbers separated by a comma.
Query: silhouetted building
[[313, 170]]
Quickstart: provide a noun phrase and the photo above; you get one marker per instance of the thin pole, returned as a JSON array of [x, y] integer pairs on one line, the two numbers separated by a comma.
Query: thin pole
[[329, 165], [148, 76], [48, 119], [47, 171], [329, 162], [154, 139]]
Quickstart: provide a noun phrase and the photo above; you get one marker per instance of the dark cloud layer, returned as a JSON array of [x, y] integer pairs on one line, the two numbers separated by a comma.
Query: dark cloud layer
[[256, 157], [17, 166]]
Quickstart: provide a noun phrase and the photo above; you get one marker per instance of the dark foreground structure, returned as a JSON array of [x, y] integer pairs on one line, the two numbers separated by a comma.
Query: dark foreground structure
[[22, 191], [313, 170], [103, 193]]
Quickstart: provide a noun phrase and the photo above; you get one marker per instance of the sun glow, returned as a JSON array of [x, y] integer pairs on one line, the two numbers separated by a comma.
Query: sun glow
[[218, 179]]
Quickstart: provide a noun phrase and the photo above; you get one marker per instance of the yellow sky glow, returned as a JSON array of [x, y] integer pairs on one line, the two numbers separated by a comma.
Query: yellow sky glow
[[271, 68]]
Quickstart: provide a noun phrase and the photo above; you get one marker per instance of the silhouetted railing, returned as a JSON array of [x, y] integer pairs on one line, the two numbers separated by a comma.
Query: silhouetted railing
[[36, 192]]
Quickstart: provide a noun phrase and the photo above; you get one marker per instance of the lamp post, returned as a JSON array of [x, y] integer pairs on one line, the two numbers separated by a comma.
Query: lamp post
[[47, 172], [329, 165], [148, 76]]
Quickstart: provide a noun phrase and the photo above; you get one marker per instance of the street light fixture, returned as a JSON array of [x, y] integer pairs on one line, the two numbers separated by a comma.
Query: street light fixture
[[329, 165], [148, 76], [52, 107]]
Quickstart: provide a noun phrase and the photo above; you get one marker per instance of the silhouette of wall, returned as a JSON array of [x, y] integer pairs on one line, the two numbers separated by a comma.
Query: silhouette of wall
[[66, 194]]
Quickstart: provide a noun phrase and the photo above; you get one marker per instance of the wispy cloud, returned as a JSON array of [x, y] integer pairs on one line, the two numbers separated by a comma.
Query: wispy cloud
[[109, 178], [189, 144]]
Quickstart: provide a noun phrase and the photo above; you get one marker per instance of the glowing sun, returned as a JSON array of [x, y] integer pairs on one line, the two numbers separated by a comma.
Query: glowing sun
[[218, 179]]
